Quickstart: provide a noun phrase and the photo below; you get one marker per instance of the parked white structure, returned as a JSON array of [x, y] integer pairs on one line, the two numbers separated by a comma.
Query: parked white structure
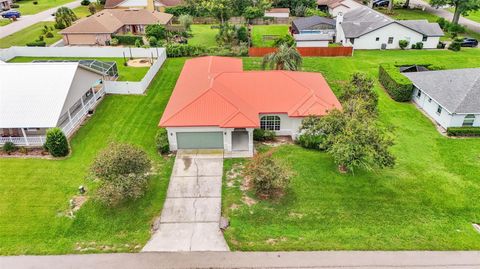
[[334, 7], [39, 96], [365, 28], [313, 31], [450, 97]]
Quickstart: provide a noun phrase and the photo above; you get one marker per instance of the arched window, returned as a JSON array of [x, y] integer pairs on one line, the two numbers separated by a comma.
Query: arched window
[[468, 120], [270, 123]]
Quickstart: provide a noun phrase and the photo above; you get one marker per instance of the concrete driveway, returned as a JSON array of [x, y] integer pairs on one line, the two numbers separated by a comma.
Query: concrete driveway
[[191, 213]]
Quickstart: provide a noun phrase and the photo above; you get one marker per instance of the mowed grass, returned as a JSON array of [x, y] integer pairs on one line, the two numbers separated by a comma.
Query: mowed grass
[[259, 31], [27, 7], [203, 35], [35, 193], [126, 73], [428, 201], [4, 22], [30, 34]]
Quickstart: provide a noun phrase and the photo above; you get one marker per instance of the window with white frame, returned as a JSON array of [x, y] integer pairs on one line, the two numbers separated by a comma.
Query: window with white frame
[[468, 120], [390, 40], [270, 123], [439, 110]]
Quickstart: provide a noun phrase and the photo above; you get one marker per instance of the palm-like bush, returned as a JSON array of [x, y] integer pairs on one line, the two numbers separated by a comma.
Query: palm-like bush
[[285, 58], [64, 17]]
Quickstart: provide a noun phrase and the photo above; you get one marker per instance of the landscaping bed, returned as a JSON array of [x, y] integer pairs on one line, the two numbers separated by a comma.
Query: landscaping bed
[[428, 201]]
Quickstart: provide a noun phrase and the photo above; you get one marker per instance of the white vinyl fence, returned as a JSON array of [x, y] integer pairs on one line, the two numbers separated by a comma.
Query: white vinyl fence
[[114, 87]]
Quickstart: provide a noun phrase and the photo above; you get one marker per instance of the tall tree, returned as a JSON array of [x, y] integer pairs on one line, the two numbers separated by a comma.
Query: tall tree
[[406, 4], [220, 9], [285, 58], [462, 7], [64, 17], [390, 6]]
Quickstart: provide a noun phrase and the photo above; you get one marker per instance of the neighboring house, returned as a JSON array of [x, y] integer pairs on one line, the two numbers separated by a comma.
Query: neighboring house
[[278, 13], [158, 5], [99, 28], [365, 28], [450, 97], [337, 6], [215, 104], [54, 95], [314, 31], [5, 4]]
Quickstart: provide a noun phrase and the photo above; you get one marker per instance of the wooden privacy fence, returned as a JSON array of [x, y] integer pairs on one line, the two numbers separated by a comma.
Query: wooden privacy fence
[[320, 51]]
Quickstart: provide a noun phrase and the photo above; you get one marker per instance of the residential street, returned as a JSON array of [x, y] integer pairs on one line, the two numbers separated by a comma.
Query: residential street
[[475, 26], [320, 259], [27, 20]]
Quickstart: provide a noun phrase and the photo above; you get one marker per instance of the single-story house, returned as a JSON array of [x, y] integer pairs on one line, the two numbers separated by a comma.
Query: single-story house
[[365, 28], [56, 94], [314, 31], [337, 6], [450, 97], [158, 5], [215, 104], [99, 28], [5, 4], [278, 13]]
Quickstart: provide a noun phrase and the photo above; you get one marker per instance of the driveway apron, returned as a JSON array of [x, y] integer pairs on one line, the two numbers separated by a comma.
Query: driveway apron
[[191, 213]]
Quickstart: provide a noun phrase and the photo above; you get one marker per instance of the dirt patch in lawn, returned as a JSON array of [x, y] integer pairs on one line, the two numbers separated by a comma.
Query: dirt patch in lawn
[[140, 62], [278, 141]]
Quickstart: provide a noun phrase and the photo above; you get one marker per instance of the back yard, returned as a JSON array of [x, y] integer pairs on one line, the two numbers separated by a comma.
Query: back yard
[[264, 35], [126, 73], [428, 201], [203, 35]]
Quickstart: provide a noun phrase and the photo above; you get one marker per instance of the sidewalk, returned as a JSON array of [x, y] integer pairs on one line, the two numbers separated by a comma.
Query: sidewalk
[[319, 259], [472, 25], [191, 213], [28, 20]]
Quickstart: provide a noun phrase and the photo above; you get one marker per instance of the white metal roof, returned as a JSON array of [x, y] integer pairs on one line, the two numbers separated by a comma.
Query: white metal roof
[[33, 94]]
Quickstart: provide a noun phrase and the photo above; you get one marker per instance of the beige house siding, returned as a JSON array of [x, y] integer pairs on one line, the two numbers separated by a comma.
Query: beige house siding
[[86, 39]]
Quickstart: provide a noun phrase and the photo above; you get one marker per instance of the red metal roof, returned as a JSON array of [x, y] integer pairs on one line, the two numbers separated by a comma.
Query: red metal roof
[[215, 91]]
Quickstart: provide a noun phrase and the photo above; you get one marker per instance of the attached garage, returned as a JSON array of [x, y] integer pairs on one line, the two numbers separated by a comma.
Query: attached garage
[[199, 140]]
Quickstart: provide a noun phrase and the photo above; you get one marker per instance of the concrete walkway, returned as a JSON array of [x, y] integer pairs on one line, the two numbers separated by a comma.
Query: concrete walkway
[[472, 25], [28, 20], [319, 259], [191, 213]]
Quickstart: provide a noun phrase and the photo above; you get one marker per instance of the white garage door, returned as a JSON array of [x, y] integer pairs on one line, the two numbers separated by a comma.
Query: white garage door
[[200, 140]]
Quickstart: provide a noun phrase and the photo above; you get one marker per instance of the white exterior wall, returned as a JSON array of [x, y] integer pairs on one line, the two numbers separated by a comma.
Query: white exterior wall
[[312, 43], [277, 15], [82, 82], [288, 125], [457, 120], [395, 30]]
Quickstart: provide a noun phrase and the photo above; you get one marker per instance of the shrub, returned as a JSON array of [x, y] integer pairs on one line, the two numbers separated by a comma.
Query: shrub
[[286, 39], [456, 45], [300, 11], [161, 140], [186, 21], [49, 35], [138, 43], [456, 28], [403, 44], [418, 46], [263, 135], [242, 34], [185, 50], [269, 177], [315, 12], [156, 30], [56, 142], [114, 42], [35, 2], [92, 8], [442, 23], [179, 10], [152, 41], [463, 131], [9, 147], [85, 2], [127, 39], [397, 85], [36, 44], [123, 172], [40, 38], [311, 141]]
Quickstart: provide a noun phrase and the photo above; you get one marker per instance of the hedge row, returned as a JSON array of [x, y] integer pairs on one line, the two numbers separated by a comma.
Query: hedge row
[[463, 131], [128, 39], [37, 44], [187, 50], [397, 85]]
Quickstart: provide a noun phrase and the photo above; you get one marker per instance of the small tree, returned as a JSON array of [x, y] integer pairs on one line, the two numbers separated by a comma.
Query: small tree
[[286, 39], [269, 177], [56, 143], [161, 139], [122, 170], [361, 88], [251, 13], [92, 8], [64, 17], [285, 58], [186, 21], [156, 30], [456, 45], [9, 147]]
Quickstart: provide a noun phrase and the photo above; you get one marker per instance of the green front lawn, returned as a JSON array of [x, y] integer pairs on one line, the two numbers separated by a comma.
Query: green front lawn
[[203, 35], [35, 193], [259, 31], [427, 202], [4, 22], [27, 7], [126, 73], [29, 34]]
